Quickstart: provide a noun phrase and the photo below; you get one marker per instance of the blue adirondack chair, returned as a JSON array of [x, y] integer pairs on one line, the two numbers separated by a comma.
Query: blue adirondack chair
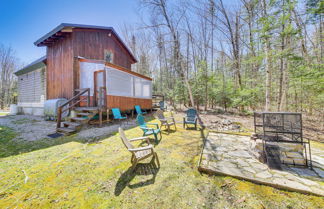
[[117, 115], [162, 105], [139, 110], [191, 118], [147, 130]]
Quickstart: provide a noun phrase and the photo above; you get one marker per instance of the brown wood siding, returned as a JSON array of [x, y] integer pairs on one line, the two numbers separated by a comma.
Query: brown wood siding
[[60, 69], [127, 103], [91, 44], [63, 68], [123, 103]]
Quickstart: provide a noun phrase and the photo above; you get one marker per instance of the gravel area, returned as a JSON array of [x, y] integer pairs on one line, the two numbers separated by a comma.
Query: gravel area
[[32, 128], [28, 127]]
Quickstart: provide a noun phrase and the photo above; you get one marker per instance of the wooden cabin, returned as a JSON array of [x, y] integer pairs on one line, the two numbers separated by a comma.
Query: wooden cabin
[[82, 57]]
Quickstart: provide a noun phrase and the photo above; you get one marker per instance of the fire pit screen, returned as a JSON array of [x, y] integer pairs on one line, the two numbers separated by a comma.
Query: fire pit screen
[[282, 131]]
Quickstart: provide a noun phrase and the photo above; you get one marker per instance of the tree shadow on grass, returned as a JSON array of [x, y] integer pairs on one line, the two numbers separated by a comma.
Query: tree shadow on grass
[[142, 169]]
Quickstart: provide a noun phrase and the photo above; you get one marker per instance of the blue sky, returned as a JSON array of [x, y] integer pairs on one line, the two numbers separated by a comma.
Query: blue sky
[[24, 21]]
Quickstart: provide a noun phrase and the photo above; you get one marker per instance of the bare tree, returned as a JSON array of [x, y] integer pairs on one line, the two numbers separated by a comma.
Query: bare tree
[[232, 32], [8, 64]]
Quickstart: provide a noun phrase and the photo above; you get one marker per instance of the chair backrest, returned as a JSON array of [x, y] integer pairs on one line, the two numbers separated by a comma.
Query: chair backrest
[[124, 139], [140, 120], [159, 114], [138, 110], [191, 113], [161, 103], [116, 113]]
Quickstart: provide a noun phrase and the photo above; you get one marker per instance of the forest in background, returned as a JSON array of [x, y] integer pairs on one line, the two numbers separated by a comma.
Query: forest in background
[[242, 55]]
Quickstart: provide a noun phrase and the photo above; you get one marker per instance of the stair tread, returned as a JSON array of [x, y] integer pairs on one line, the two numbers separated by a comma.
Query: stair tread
[[86, 108], [65, 130], [84, 114], [79, 118], [72, 124]]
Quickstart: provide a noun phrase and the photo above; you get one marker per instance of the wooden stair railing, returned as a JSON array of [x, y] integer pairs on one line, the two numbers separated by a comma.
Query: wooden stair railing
[[72, 100]]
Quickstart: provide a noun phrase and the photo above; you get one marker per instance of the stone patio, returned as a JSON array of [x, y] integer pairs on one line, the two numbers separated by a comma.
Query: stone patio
[[231, 155]]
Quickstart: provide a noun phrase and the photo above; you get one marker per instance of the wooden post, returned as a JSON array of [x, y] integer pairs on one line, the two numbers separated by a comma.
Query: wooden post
[[88, 99], [59, 115], [95, 89], [100, 117]]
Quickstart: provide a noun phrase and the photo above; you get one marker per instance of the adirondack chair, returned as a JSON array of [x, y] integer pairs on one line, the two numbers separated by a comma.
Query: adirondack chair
[[165, 121], [138, 154], [191, 118], [139, 110], [146, 130], [162, 105], [117, 115]]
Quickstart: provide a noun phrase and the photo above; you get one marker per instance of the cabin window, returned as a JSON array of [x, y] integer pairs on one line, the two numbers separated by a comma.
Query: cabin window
[[109, 56]]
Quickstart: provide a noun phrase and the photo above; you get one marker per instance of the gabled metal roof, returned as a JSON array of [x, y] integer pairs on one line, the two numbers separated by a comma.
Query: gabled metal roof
[[62, 26], [39, 63]]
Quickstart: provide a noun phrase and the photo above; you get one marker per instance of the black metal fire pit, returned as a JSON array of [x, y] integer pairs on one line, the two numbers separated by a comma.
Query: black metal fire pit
[[281, 127]]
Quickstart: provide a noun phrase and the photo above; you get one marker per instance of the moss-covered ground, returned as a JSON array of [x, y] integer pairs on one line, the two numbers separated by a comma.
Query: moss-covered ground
[[69, 173]]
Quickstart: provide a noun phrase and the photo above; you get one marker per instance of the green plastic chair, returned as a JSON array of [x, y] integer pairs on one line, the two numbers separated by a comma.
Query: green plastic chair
[[117, 115], [139, 110], [191, 118], [162, 106], [147, 130]]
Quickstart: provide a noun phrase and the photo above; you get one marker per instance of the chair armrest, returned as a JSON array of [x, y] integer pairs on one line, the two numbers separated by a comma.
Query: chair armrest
[[140, 138], [148, 129], [141, 148], [195, 118], [156, 124]]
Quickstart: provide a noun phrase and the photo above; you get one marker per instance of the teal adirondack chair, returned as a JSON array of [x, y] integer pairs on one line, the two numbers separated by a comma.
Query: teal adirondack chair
[[139, 110], [162, 105], [191, 118], [147, 130], [117, 115]]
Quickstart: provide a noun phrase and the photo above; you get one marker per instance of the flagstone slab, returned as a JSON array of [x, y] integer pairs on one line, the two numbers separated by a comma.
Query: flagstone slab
[[231, 155]]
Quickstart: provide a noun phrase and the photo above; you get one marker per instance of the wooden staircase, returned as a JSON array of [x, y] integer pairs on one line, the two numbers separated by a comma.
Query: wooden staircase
[[84, 115]]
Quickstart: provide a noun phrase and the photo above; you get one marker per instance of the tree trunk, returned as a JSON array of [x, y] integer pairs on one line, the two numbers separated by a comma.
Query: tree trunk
[[268, 63]]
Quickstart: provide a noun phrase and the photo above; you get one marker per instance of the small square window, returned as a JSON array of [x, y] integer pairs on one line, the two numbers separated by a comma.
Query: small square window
[[109, 56]]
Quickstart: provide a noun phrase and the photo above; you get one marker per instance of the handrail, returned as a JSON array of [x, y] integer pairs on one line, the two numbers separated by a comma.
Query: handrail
[[60, 109]]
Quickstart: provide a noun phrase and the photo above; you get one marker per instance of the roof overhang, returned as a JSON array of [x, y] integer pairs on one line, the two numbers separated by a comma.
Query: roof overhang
[[64, 29], [39, 63]]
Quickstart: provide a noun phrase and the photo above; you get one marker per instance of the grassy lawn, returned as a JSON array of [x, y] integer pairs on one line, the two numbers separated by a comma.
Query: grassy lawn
[[3, 113], [69, 173]]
